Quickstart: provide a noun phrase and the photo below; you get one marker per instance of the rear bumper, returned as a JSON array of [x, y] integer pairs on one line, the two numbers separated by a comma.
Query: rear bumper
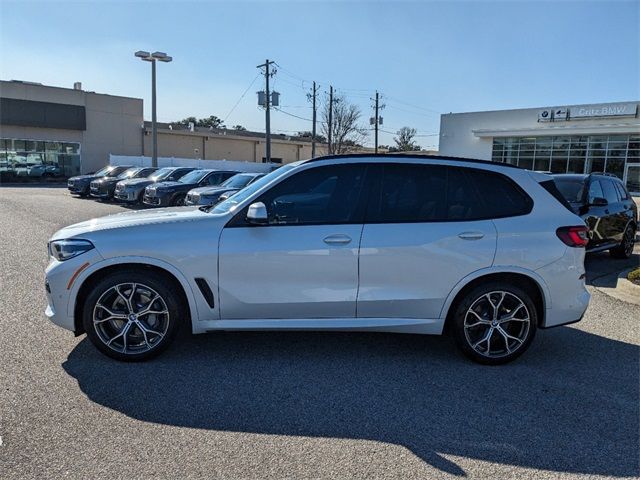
[[562, 324], [568, 295]]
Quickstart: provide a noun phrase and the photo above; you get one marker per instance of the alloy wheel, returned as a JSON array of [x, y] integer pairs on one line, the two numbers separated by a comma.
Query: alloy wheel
[[131, 318], [629, 241], [497, 324]]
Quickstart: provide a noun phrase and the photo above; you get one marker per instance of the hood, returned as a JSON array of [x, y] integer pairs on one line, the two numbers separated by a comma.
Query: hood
[[212, 190], [130, 219], [85, 177], [174, 185], [137, 182], [107, 180]]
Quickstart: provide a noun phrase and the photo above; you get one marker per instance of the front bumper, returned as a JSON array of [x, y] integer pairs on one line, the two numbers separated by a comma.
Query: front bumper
[[62, 281], [96, 193], [157, 201], [126, 196], [78, 188], [200, 200]]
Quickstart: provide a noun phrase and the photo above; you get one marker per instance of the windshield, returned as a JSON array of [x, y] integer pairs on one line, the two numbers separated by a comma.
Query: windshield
[[237, 181], [103, 171], [162, 174], [193, 177], [230, 203], [132, 172], [571, 188]]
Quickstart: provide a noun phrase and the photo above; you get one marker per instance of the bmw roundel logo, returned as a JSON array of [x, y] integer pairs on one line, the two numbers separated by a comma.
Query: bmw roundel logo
[[545, 114]]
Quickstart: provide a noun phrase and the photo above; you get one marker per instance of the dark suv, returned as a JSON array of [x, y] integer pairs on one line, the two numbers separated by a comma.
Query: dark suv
[[604, 203], [80, 185], [164, 194], [104, 188]]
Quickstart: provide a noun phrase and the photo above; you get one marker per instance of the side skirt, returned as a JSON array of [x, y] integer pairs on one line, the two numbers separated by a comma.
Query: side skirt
[[396, 325]]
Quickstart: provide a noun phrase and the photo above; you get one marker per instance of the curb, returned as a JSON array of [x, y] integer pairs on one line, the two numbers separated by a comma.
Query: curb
[[625, 290]]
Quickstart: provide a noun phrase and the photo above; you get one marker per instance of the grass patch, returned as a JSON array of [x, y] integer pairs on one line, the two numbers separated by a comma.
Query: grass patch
[[634, 276]]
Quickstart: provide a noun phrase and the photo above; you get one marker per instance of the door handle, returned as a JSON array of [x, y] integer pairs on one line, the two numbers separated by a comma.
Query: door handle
[[337, 239], [471, 235]]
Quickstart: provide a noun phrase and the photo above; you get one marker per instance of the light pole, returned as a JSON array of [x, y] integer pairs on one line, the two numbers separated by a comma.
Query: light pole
[[153, 57]]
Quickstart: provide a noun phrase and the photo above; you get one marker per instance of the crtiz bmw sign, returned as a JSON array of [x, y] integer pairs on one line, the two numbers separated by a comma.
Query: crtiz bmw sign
[[588, 111]]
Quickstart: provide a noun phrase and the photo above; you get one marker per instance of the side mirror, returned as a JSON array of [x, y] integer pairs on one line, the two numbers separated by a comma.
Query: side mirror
[[257, 214], [599, 202]]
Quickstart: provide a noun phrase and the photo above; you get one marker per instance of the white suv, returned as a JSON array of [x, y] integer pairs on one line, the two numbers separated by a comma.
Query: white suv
[[483, 251]]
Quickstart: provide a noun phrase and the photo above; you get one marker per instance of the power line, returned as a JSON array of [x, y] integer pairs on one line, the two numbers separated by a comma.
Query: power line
[[241, 97], [292, 115], [412, 105]]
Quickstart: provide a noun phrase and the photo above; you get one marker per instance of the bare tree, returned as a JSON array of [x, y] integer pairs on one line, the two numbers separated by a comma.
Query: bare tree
[[404, 140], [346, 134]]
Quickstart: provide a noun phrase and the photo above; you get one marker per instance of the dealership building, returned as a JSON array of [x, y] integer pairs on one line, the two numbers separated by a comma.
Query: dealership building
[[562, 139], [70, 131]]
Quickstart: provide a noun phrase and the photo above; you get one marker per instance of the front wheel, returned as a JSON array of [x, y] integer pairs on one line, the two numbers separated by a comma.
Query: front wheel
[[494, 323], [132, 315], [625, 249], [179, 201]]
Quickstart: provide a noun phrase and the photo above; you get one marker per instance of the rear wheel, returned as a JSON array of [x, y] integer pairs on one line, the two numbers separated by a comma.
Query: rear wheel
[[494, 323], [132, 315], [625, 249]]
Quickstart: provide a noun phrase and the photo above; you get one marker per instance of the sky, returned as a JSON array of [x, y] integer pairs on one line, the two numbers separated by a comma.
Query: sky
[[424, 57]]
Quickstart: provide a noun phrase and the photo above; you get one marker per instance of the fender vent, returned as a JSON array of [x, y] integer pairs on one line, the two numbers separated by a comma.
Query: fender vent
[[206, 291]]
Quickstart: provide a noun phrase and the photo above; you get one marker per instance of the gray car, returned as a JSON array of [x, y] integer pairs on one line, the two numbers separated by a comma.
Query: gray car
[[131, 191], [211, 195]]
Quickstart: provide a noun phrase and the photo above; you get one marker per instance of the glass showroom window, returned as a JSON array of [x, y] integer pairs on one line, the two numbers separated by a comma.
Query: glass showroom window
[[569, 154], [38, 159]]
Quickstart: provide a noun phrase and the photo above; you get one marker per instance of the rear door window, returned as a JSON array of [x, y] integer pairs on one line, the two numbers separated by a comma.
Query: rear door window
[[610, 192], [595, 190], [410, 193]]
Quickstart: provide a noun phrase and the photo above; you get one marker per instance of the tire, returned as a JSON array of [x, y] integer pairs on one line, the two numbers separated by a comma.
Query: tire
[[178, 200], [479, 332], [106, 314], [625, 249]]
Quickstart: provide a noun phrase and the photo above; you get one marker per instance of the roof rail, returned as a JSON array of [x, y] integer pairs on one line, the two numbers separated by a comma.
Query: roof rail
[[413, 156], [608, 174]]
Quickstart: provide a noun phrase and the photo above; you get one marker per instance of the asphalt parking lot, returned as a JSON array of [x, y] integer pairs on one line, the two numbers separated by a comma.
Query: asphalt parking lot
[[303, 405]]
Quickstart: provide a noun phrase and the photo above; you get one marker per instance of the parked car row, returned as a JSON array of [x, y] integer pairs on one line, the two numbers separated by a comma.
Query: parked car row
[[161, 187]]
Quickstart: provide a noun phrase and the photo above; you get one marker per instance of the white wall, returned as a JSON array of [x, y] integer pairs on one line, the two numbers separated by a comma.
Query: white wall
[[140, 161]]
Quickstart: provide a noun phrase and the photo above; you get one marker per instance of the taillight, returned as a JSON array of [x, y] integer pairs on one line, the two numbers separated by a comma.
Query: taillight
[[574, 236]]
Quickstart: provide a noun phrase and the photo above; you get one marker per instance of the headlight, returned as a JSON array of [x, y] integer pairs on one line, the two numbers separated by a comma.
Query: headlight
[[66, 249]]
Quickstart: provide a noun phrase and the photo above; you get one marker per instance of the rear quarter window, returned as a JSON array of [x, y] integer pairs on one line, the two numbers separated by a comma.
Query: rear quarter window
[[499, 195]]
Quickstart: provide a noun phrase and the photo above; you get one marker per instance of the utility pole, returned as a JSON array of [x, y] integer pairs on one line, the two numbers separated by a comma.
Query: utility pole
[[329, 130], [376, 123], [376, 120], [267, 104], [313, 130]]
